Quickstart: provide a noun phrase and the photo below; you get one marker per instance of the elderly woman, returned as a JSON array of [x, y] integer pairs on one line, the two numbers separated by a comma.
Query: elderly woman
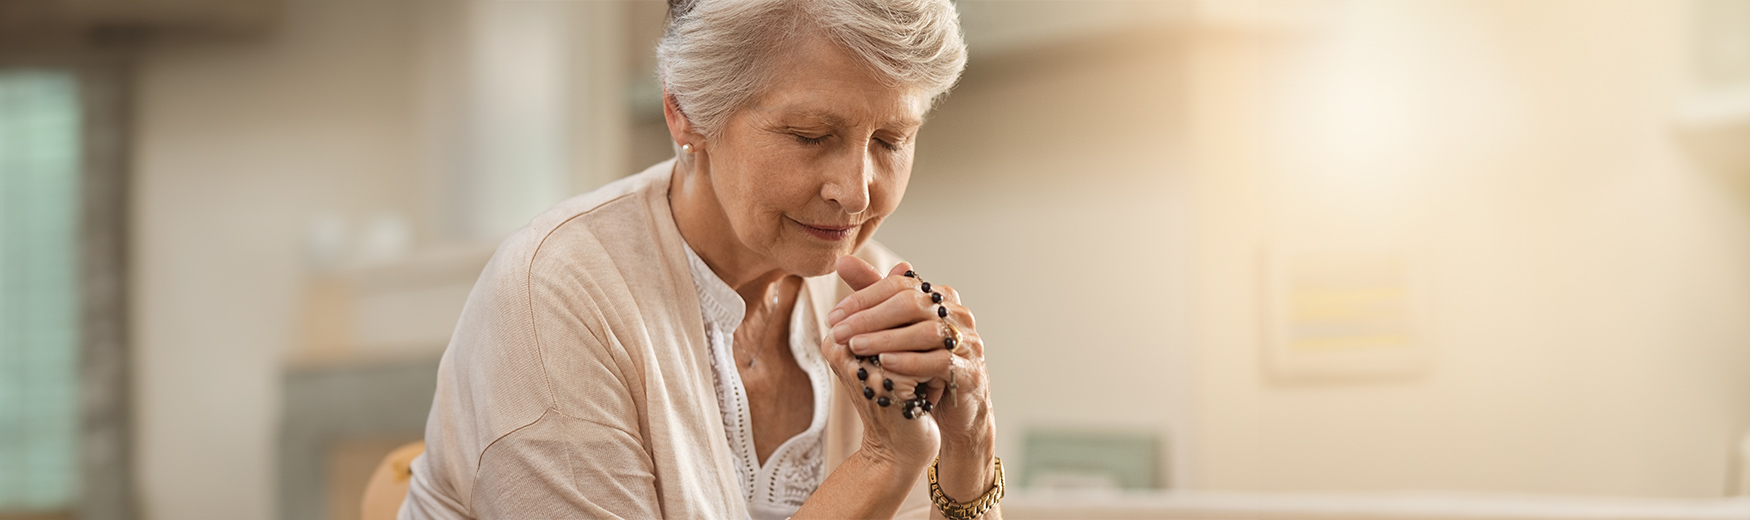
[[667, 345]]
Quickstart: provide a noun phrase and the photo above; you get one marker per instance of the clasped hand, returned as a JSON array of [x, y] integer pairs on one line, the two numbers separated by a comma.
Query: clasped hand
[[899, 338]]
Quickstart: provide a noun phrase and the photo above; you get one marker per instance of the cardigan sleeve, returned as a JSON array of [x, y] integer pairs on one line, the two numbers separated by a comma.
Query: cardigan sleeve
[[536, 413], [584, 456], [566, 467]]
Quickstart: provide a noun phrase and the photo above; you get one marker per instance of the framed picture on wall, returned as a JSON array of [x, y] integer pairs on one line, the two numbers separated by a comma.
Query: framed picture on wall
[[1335, 313]]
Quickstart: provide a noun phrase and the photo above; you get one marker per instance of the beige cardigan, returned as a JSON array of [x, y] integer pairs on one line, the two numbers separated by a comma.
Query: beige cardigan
[[578, 382]]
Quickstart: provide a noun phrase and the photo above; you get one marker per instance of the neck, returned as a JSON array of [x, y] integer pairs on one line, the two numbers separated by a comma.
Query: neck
[[705, 226]]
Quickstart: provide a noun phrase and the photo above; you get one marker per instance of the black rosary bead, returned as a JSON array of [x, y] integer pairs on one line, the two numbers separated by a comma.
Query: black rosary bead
[[868, 393], [926, 287], [883, 401], [935, 297], [942, 311], [862, 374], [926, 406], [921, 390], [911, 274], [908, 413], [947, 343], [887, 384]]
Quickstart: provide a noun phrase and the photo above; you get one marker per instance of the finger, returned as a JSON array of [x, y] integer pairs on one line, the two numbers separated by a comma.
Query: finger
[[871, 294], [899, 269], [929, 388], [857, 273], [963, 321], [970, 345], [930, 365], [880, 386], [839, 358], [948, 292], [883, 382], [852, 372], [900, 309], [962, 316], [921, 336]]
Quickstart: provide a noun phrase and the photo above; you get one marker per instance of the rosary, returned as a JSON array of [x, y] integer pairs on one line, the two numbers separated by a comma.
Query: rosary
[[918, 404]]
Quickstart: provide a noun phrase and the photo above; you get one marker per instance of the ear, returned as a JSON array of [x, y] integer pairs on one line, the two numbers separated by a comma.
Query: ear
[[680, 128]]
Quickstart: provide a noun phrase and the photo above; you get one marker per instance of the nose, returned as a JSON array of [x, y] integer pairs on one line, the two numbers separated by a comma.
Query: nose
[[847, 184]]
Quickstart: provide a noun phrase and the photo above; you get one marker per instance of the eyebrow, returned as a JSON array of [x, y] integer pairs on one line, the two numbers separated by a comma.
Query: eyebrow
[[834, 120], [822, 117]]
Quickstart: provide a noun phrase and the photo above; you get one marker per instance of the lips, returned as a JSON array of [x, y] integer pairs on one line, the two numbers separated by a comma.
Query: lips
[[829, 232]]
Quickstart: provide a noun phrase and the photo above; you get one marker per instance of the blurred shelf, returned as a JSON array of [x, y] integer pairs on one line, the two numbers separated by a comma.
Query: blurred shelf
[[387, 311]]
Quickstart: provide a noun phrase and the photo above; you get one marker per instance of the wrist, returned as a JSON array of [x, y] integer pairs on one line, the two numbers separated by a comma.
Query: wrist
[[901, 462], [891, 477], [973, 441], [868, 484], [965, 468]]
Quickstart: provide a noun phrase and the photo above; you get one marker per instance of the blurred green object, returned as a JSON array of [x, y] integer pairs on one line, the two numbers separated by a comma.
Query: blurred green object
[[1090, 459], [39, 301]]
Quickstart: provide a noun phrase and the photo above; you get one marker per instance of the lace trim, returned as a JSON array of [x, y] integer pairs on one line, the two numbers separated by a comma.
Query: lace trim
[[797, 467]]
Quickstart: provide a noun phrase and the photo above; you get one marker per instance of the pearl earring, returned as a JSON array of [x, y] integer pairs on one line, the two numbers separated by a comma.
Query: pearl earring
[[687, 148]]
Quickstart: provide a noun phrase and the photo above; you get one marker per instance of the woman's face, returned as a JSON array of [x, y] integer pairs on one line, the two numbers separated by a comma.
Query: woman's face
[[809, 169]]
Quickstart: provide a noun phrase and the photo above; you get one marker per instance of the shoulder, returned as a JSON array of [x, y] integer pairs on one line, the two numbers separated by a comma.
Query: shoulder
[[551, 291], [584, 251], [570, 278], [618, 219]]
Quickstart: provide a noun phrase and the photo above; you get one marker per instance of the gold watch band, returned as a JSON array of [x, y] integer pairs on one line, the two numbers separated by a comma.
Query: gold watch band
[[968, 510]]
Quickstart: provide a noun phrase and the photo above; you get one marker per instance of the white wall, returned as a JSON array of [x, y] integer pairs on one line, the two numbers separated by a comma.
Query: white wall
[[1106, 207], [238, 146], [1589, 283], [1049, 189]]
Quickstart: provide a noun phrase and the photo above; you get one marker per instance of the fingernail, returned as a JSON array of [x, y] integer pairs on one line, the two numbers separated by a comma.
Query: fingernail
[[883, 358], [835, 316], [841, 333], [857, 345]]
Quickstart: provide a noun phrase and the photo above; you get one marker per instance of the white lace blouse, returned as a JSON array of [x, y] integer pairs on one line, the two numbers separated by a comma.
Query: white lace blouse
[[793, 471]]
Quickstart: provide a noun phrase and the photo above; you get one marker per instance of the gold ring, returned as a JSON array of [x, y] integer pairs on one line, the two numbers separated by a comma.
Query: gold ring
[[952, 338]]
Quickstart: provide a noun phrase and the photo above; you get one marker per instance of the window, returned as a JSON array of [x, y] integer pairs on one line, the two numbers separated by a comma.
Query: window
[[40, 151]]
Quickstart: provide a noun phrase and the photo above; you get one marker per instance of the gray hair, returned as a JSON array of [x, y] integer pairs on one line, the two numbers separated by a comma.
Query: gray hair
[[718, 54]]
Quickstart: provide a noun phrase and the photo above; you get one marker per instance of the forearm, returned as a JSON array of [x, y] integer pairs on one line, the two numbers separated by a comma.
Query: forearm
[[866, 485]]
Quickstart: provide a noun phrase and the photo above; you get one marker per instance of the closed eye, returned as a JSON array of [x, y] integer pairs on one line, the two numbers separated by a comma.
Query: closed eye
[[811, 140]]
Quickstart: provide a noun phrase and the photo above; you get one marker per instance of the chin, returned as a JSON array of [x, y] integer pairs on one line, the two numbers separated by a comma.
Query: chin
[[814, 266], [812, 262]]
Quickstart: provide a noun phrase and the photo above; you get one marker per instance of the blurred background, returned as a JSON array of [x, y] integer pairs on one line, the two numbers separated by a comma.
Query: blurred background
[[1233, 258]]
